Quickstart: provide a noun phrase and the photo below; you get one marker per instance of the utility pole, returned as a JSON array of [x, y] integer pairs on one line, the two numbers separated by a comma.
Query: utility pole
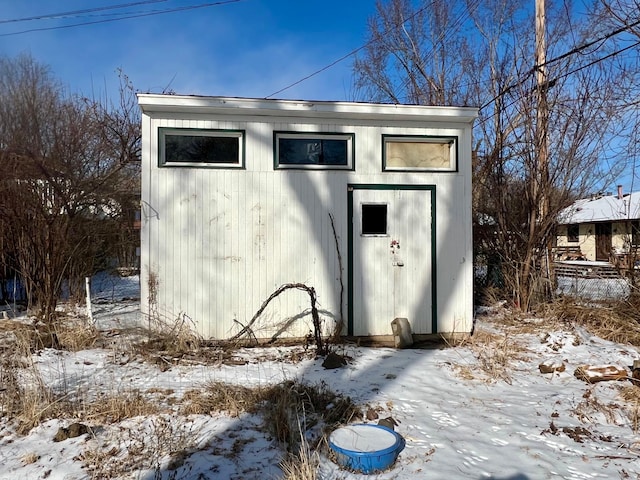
[[542, 124], [542, 187]]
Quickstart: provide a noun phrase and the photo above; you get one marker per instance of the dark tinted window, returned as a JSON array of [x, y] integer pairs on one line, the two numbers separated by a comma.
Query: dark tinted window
[[374, 219], [305, 151], [202, 149]]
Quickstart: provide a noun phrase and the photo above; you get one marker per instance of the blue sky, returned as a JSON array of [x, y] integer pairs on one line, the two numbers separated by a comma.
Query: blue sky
[[247, 48], [244, 48]]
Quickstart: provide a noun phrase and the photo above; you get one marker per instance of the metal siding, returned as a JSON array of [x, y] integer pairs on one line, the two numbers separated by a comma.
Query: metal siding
[[237, 235], [145, 213]]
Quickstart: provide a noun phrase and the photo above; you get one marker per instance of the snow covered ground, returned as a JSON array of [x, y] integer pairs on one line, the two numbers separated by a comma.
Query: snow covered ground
[[480, 410]]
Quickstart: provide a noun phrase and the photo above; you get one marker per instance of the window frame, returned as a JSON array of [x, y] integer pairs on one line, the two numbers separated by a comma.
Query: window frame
[[163, 132], [434, 139], [286, 134], [571, 237]]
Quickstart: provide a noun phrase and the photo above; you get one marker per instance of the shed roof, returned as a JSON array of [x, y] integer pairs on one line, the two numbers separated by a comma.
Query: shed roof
[[303, 108], [603, 208]]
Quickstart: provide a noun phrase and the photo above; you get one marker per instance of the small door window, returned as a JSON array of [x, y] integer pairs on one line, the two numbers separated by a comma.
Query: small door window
[[374, 219]]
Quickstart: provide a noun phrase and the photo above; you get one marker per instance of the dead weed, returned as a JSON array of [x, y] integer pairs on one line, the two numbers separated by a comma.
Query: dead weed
[[220, 397], [631, 396], [496, 355], [618, 322], [174, 336], [282, 406], [591, 405], [160, 444], [302, 465], [117, 406]]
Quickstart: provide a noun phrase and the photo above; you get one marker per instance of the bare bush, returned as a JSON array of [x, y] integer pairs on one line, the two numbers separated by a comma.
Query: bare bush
[[69, 170]]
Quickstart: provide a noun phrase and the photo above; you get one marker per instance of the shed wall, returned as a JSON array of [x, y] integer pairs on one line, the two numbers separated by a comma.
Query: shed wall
[[216, 243]]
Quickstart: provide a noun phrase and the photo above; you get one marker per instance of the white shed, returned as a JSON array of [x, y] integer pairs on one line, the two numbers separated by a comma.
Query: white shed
[[369, 204]]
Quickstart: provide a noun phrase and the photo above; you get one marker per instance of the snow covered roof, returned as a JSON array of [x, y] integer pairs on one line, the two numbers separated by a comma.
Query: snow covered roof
[[602, 208]]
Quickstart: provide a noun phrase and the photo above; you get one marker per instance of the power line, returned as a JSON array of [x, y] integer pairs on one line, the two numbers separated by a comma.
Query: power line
[[326, 67], [79, 12], [353, 52], [568, 53], [459, 21], [554, 80], [146, 14], [344, 57], [586, 45]]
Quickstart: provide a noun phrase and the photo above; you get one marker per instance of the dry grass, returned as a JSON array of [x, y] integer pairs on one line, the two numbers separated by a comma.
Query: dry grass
[[173, 336], [302, 465], [290, 410], [220, 397], [25, 396], [117, 406], [76, 337], [284, 407], [37, 403], [66, 333], [289, 405], [294, 414], [616, 321], [591, 405], [631, 396], [162, 444], [495, 355], [28, 399]]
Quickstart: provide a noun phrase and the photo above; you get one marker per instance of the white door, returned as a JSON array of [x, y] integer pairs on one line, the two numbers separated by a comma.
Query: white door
[[392, 260]]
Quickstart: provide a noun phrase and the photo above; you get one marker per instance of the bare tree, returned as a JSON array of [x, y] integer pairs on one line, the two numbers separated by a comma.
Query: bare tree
[[487, 51], [64, 159], [408, 58]]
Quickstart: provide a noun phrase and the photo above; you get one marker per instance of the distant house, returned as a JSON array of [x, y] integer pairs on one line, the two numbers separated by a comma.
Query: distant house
[[603, 227], [369, 204]]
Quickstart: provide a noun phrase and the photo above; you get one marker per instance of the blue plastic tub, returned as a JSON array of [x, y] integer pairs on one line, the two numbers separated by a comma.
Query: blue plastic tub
[[366, 448]]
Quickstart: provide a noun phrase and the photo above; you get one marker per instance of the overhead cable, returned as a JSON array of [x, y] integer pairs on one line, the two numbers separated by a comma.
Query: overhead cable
[[125, 17], [79, 12]]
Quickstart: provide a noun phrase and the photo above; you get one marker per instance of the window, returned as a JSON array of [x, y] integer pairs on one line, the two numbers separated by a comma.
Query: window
[[374, 219], [401, 152], [186, 147], [313, 150], [573, 233]]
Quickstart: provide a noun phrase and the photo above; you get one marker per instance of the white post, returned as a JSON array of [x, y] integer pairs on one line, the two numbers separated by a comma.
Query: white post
[[87, 285]]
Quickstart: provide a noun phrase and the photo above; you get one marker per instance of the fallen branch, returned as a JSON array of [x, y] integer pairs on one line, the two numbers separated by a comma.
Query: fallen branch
[[246, 329], [314, 314]]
